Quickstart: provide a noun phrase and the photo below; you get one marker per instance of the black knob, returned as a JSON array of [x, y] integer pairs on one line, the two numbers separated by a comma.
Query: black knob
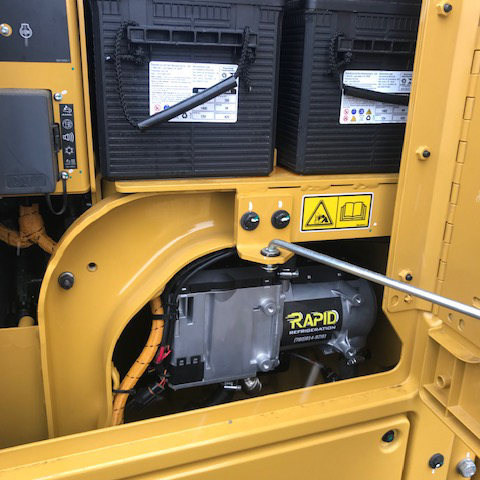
[[280, 219], [66, 280], [250, 221], [436, 460], [389, 437]]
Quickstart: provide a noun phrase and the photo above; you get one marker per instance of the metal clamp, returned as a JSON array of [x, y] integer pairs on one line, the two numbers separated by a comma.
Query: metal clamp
[[374, 277]]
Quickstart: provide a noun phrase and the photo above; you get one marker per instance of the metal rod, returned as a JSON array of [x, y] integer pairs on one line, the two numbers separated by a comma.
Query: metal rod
[[272, 250]]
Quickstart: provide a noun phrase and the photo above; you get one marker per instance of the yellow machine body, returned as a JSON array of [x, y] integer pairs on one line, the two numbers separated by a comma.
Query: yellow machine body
[[56, 377]]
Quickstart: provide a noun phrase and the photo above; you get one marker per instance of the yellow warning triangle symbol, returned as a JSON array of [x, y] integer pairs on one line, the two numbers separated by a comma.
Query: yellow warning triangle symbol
[[369, 112], [353, 119], [320, 216]]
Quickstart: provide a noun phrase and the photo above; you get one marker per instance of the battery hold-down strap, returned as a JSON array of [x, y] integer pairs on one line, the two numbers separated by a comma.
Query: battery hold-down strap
[[247, 58]]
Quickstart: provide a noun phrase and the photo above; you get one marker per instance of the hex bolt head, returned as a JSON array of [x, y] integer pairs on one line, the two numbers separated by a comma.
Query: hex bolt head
[[436, 461], [66, 280], [389, 436], [447, 7], [466, 468], [57, 97]]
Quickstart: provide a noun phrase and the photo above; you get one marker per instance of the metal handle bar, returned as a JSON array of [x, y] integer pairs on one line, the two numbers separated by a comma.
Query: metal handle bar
[[272, 251]]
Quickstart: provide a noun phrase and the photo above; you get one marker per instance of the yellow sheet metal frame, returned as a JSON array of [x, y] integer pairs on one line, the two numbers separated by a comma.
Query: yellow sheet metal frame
[[277, 436], [137, 243]]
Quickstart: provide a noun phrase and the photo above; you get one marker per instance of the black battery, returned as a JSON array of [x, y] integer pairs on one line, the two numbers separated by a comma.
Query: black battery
[[345, 76], [149, 55]]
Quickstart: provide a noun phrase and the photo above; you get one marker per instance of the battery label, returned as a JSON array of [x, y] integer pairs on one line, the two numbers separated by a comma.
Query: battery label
[[310, 321], [354, 111], [172, 82], [67, 126]]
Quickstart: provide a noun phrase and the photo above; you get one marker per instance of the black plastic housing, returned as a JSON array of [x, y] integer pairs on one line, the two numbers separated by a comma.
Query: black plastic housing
[[28, 146], [380, 35], [194, 31]]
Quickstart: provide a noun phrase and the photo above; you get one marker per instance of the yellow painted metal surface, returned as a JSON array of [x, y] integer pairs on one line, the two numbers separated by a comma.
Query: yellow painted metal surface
[[59, 77], [138, 241], [22, 405]]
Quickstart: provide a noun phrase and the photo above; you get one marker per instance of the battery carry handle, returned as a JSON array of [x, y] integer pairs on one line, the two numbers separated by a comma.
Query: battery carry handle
[[185, 105], [365, 93]]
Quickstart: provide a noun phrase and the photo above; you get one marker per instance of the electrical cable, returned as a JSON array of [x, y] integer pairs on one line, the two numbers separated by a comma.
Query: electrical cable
[[63, 178], [141, 364]]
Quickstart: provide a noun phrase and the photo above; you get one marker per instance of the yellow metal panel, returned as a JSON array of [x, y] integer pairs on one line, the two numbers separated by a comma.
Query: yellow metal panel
[[22, 405], [436, 122], [137, 243], [59, 77]]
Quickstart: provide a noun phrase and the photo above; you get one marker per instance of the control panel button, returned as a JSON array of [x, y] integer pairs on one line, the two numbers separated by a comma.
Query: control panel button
[[280, 219], [250, 221]]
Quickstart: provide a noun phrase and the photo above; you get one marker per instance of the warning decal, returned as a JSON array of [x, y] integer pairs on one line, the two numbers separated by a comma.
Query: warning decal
[[172, 82], [362, 111], [332, 212]]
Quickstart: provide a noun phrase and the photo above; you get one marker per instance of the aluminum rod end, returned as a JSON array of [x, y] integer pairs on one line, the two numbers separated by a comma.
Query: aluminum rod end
[[270, 251]]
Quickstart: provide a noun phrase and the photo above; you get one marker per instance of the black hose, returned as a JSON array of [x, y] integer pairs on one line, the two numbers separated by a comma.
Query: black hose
[[222, 395], [327, 373]]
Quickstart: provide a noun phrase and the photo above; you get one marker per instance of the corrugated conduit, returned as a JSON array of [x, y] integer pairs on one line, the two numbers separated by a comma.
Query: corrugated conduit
[[31, 231], [142, 362]]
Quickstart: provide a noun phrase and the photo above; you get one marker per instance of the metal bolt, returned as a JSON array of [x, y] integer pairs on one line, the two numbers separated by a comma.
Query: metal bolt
[[466, 468], [57, 97], [426, 153], [272, 251], [388, 437], [66, 280], [5, 30], [64, 175], [408, 277], [268, 307], [264, 362], [447, 8], [358, 299]]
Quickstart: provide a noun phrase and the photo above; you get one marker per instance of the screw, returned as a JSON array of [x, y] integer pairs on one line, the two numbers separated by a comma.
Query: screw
[[447, 8], [436, 461], [388, 437], [57, 97], [66, 280], [408, 277], [64, 175], [466, 468], [5, 30], [426, 153]]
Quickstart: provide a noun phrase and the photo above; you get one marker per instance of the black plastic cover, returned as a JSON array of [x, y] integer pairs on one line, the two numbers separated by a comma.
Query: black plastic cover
[[28, 158], [310, 139], [39, 31], [195, 31]]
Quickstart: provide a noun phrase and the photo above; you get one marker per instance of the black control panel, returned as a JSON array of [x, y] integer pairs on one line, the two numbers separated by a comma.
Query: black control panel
[[34, 31]]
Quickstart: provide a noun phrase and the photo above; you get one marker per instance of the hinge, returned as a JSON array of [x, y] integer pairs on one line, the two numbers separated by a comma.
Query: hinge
[[457, 174]]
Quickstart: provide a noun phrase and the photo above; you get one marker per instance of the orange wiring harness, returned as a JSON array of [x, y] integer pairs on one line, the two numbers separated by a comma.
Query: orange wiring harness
[[141, 364], [31, 231]]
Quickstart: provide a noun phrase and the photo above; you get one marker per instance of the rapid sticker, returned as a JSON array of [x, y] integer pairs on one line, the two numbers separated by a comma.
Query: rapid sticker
[[172, 82], [355, 111], [311, 321], [335, 212]]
